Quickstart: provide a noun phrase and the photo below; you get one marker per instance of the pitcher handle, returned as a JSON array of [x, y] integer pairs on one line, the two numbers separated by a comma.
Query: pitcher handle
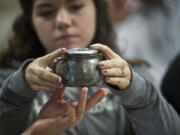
[[55, 62]]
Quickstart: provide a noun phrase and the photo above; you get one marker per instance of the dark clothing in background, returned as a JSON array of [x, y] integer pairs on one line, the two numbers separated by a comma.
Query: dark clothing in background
[[171, 84]]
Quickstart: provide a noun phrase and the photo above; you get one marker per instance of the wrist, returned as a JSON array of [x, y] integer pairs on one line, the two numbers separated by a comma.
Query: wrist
[[42, 127]]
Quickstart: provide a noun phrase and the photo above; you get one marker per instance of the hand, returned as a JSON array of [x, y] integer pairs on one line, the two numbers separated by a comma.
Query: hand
[[39, 76], [58, 115], [115, 69]]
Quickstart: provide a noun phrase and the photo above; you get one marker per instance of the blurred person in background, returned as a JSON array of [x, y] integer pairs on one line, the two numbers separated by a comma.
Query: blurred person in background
[[43, 32], [147, 29]]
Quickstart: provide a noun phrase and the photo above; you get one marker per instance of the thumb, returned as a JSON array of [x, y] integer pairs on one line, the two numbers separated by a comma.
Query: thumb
[[49, 58], [108, 52]]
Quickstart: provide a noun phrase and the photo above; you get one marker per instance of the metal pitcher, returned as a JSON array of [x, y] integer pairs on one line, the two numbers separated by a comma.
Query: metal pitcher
[[79, 67]]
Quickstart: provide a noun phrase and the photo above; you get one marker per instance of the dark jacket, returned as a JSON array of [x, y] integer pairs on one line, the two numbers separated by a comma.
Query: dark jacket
[[171, 84]]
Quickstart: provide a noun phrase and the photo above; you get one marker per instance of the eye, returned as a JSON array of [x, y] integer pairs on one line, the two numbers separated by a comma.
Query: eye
[[76, 7], [46, 14]]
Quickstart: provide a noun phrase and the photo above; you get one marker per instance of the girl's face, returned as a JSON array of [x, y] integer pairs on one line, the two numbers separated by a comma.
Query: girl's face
[[64, 23]]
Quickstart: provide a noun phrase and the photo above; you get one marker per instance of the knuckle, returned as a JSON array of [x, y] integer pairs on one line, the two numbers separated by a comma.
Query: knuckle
[[28, 77], [114, 63], [128, 72], [106, 47], [38, 59], [47, 57], [126, 83], [50, 56], [119, 81], [29, 69], [100, 45], [41, 72], [114, 72], [123, 61]]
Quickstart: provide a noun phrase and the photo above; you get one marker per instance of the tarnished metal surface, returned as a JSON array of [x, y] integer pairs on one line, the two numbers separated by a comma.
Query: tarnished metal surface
[[79, 68]]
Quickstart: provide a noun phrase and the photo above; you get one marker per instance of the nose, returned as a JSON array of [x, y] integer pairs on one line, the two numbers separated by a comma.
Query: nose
[[63, 19]]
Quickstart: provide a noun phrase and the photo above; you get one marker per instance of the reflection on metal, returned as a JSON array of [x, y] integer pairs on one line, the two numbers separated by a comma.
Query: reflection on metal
[[79, 67]]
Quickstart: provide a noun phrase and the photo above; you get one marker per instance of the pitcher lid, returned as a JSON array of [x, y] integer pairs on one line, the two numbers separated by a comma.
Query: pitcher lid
[[81, 51]]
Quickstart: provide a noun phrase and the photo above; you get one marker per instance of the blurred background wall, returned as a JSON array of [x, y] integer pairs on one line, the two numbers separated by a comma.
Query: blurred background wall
[[9, 9]]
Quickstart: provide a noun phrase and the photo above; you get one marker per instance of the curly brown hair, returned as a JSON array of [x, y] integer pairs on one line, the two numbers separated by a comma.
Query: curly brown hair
[[24, 43]]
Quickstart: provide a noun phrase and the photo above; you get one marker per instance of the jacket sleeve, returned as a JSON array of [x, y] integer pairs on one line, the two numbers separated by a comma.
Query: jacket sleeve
[[15, 102], [147, 110]]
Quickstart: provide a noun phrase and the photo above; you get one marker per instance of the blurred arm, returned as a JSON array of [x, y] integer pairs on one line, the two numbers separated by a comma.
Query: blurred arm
[[15, 102]]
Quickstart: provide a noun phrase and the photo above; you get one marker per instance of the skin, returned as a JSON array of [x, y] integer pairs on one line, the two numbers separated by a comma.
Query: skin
[[110, 68], [59, 24], [55, 118], [63, 24]]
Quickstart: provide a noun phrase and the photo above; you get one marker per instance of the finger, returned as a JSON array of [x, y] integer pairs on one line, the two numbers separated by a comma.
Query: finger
[[115, 72], [70, 119], [41, 88], [75, 104], [104, 94], [59, 93], [34, 79], [47, 75], [93, 100], [49, 69], [106, 50], [122, 83], [115, 63], [81, 104], [49, 58]]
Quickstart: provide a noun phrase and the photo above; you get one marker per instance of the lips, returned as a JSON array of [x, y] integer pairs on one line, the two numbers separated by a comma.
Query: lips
[[66, 37]]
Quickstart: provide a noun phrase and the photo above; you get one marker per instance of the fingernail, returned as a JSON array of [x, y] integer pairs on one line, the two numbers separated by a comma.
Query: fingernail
[[63, 49], [86, 90], [57, 79], [75, 103], [101, 95], [105, 71], [93, 46], [107, 78], [59, 84], [101, 64]]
